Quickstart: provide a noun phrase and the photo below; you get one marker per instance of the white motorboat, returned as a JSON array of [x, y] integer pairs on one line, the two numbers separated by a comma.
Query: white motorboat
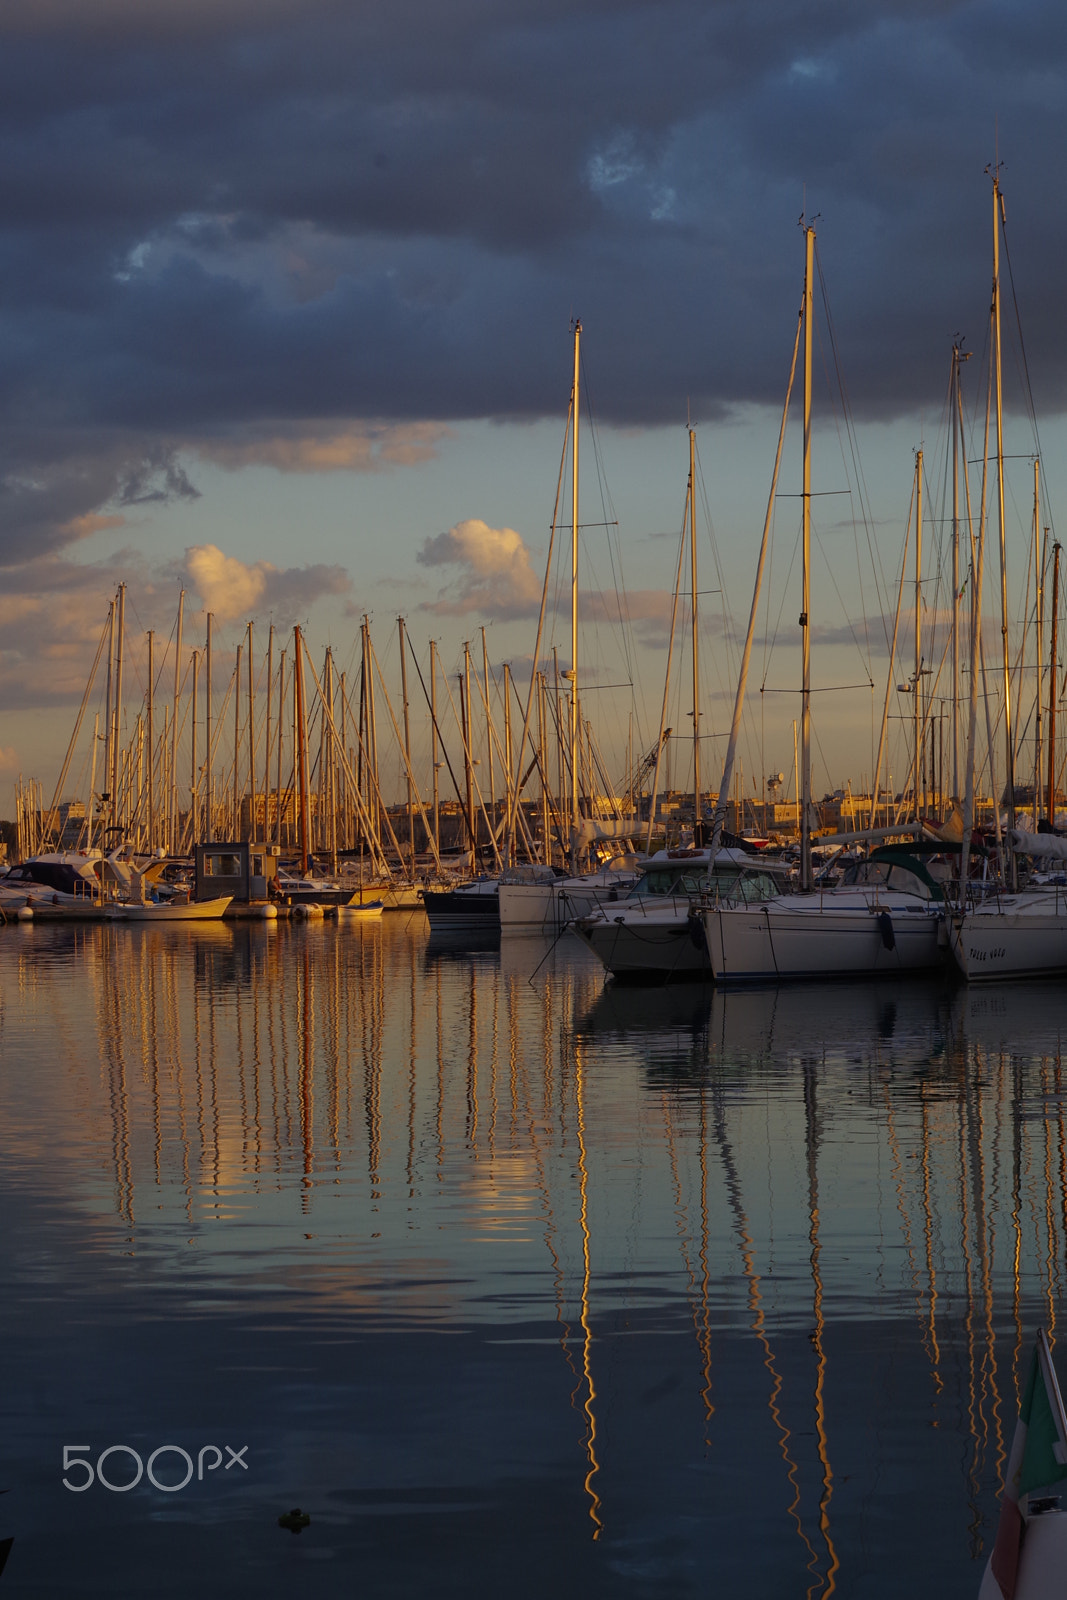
[[658, 931], [887, 917], [70, 879]]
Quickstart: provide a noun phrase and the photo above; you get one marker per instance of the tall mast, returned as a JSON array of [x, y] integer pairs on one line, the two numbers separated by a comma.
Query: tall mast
[[172, 805], [955, 575], [805, 631], [117, 741], [575, 408], [266, 834], [407, 741], [193, 786], [92, 781], [301, 747], [1009, 739], [108, 729], [251, 738], [1051, 809], [209, 821], [507, 764], [281, 729], [465, 720], [151, 750], [489, 734], [697, 824], [433, 746], [916, 716], [1039, 624], [236, 834]]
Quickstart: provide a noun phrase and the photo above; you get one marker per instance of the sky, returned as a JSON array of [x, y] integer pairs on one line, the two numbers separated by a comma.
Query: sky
[[286, 295]]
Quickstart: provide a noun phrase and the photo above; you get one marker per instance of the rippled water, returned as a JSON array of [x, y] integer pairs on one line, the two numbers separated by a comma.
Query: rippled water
[[510, 1281]]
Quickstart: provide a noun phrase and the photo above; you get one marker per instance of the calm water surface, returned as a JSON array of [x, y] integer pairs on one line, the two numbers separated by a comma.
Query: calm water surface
[[513, 1282]]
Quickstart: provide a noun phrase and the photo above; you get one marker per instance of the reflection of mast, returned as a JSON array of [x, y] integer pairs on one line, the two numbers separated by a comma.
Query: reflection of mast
[[928, 1233], [974, 1400], [705, 1311], [307, 1078], [755, 1305], [587, 1370], [811, 1128]]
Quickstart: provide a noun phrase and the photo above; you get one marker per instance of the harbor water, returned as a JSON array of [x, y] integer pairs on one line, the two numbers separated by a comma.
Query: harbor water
[[511, 1281]]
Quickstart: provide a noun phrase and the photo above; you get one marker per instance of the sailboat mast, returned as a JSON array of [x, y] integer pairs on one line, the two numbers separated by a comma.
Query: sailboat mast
[[407, 742], [805, 631], [281, 729], [955, 575], [117, 741], [433, 745], [574, 600], [209, 828], [251, 739], [266, 739], [1039, 624], [193, 785], [1009, 740], [917, 683], [301, 747], [151, 750], [508, 757], [108, 729], [698, 826], [172, 804], [1051, 808], [489, 734]]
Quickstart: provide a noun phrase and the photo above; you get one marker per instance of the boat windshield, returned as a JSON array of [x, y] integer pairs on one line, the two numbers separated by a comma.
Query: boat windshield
[[747, 885], [893, 874], [672, 880]]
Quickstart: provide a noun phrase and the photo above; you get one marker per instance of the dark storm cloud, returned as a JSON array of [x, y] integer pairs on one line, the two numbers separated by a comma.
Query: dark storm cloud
[[223, 221]]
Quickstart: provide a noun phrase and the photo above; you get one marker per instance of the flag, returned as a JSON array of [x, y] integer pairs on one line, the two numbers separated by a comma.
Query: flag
[[1037, 1464]]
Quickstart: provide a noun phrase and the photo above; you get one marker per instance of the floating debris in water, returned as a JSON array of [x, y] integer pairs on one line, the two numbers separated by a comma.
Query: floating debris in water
[[294, 1520]]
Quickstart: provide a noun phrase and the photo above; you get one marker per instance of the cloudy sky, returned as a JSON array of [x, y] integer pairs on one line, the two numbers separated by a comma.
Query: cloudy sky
[[287, 291]]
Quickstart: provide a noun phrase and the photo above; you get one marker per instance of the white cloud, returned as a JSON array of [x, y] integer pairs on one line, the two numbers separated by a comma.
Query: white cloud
[[495, 574], [226, 586], [325, 446]]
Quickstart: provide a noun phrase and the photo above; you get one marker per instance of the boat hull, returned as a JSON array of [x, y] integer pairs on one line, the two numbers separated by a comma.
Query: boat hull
[[1022, 936], [163, 911], [813, 937], [549, 907], [655, 948], [462, 910]]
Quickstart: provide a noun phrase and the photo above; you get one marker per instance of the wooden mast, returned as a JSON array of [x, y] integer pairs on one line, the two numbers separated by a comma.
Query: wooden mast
[[805, 631]]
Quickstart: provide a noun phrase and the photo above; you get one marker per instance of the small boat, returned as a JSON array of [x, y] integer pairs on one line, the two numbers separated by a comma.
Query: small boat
[[360, 911], [172, 910], [1029, 1557]]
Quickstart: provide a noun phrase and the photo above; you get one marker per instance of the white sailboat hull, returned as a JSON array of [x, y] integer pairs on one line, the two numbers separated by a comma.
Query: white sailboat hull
[[821, 936], [666, 942], [549, 907], [1015, 937]]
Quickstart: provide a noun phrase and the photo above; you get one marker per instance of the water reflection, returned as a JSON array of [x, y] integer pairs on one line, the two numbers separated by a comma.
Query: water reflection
[[733, 1283]]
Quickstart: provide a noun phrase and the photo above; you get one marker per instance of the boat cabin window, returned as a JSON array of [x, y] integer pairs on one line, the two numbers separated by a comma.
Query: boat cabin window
[[673, 880], [222, 866], [891, 873]]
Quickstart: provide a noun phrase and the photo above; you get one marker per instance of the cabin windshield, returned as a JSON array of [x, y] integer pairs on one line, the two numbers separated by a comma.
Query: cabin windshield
[[747, 885], [672, 880], [891, 874]]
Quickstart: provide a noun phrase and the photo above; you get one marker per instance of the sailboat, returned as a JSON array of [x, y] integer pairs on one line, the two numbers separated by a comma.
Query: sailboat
[[537, 900], [1012, 933], [889, 919]]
